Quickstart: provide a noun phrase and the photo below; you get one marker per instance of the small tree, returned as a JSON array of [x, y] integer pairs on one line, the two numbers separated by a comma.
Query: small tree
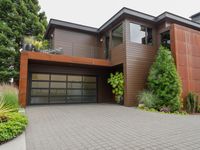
[[117, 82], [164, 81]]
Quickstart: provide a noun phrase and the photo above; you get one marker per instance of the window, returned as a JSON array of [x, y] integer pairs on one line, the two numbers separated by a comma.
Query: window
[[117, 36], [141, 34], [165, 39]]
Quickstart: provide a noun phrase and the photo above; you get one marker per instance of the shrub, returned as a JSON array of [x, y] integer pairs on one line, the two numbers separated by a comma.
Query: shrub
[[147, 98], [117, 82], [192, 102], [164, 81], [9, 96], [14, 126]]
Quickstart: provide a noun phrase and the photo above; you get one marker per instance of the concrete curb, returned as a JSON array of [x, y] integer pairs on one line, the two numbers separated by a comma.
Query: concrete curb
[[19, 143]]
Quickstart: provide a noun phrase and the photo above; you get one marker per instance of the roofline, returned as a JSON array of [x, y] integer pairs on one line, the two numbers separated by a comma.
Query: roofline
[[177, 18], [123, 11], [65, 24], [126, 11], [195, 15]]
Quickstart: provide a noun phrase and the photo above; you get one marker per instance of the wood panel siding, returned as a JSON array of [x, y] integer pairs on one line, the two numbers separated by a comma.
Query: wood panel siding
[[186, 47], [117, 54], [76, 43], [139, 59]]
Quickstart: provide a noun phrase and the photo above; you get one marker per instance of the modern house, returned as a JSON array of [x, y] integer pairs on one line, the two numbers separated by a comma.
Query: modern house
[[127, 42]]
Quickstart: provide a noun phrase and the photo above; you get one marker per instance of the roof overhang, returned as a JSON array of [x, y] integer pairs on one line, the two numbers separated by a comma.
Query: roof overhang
[[63, 24]]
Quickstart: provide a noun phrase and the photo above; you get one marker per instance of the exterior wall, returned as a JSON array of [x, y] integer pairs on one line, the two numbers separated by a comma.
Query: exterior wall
[[103, 89], [117, 55], [139, 59], [186, 47], [75, 43]]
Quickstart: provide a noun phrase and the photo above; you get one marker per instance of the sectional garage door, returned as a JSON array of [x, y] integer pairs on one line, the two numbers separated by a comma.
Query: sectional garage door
[[62, 88]]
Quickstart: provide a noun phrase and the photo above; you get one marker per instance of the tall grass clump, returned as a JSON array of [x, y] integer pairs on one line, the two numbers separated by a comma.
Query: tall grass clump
[[9, 97]]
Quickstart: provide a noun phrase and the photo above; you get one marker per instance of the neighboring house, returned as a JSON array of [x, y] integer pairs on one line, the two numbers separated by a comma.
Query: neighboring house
[[127, 42]]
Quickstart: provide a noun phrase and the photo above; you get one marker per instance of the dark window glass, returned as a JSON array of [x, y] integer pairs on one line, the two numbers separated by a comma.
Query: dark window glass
[[141, 34], [107, 42], [117, 36], [165, 39]]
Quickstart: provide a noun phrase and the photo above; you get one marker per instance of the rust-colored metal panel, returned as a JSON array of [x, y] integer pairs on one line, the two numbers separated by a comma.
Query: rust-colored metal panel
[[186, 46]]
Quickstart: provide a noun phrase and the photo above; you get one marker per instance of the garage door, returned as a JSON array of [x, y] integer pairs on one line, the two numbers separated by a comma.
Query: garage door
[[59, 88]]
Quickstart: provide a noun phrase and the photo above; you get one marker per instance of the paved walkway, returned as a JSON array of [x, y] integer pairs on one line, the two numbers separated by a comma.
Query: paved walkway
[[106, 126]]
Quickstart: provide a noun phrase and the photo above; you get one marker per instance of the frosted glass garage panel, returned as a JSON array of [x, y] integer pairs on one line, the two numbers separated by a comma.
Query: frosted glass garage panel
[[36, 76], [57, 100], [39, 100], [89, 92], [37, 84], [39, 92], [74, 92], [57, 92], [89, 79], [74, 85], [58, 77], [74, 78], [89, 85], [58, 85]]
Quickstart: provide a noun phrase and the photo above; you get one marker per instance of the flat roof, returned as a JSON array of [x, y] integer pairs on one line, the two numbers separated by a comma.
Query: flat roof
[[124, 11]]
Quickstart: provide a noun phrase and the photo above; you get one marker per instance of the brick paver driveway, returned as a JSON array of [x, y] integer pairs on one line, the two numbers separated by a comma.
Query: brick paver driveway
[[106, 126]]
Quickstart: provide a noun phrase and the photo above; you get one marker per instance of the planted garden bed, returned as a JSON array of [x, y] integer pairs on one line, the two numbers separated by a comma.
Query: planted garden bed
[[12, 122]]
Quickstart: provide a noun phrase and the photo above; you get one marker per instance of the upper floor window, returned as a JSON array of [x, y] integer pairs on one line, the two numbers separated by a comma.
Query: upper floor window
[[165, 39], [117, 36], [141, 34]]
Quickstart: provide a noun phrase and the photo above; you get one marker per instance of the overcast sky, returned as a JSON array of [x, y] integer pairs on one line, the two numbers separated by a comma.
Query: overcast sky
[[95, 12]]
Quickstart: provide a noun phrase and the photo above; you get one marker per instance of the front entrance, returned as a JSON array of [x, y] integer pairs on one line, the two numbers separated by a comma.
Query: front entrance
[[62, 88]]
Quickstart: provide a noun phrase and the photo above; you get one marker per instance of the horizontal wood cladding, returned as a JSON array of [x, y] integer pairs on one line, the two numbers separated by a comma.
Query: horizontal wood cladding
[[118, 54], [186, 46], [76, 43], [139, 59]]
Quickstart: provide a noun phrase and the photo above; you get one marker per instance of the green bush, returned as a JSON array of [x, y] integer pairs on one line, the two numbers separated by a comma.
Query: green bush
[[147, 98], [9, 96], [117, 82], [13, 127], [192, 103], [164, 81]]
